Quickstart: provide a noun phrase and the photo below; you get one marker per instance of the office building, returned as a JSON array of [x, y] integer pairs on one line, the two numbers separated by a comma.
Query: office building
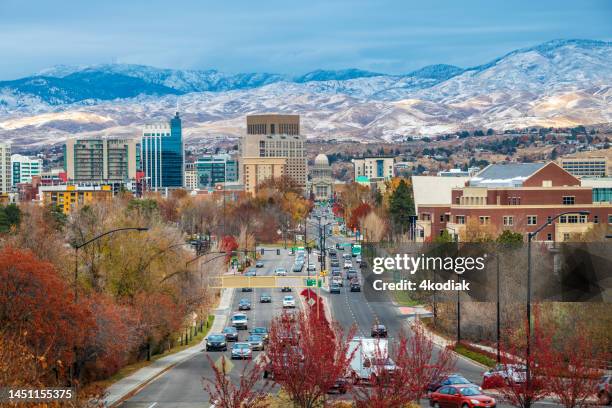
[[519, 197], [277, 136], [191, 177], [98, 160], [163, 154], [585, 166], [256, 170], [6, 172], [214, 169], [321, 181], [72, 197], [373, 168], [24, 168]]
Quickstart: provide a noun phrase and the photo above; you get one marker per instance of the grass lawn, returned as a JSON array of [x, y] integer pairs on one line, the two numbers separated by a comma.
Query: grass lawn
[[403, 299], [131, 368], [474, 355]]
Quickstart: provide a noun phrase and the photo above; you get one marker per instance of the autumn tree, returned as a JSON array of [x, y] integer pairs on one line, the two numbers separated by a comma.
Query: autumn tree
[[306, 355], [224, 393], [357, 214]]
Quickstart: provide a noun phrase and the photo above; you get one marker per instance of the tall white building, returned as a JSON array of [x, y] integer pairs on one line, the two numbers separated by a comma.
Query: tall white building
[[24, 167], [5, 168], [373, 168]]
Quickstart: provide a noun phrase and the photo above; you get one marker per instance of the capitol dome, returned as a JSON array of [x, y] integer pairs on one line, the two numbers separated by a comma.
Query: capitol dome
[[321, 160]]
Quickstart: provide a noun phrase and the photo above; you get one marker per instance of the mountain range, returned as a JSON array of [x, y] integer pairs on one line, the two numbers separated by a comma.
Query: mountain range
[[557, 83]]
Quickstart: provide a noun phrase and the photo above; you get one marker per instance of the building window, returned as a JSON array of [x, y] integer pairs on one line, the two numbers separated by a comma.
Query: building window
[[508, 220], [460, 219], [426, 217], [532, 220], [549, 237], [569, 200], [484, 220], [566, 236], [441, 217], [548, 219], [596, 219], [442, 232], [609, 218]]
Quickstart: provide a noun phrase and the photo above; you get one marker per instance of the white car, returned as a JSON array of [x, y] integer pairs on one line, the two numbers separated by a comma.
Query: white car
[[288, 301], [337, 280], [312, 267], [348, 264], [515, 373], [280, 272]]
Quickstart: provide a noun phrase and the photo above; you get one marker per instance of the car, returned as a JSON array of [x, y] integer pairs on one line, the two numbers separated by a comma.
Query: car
[[351, 274], [280, 272], [348, 264], [240, 321], [251, 272], [358, 259], [247, 289], [335, 270], [259, 264], [346, 257], [334, 288], [449, 379], [265, 298], [604, 390], [464, 396], [332, 252], [285, 289], [340, 386], [298, 266], [337, 280], [288, 301], [355, 286], [334, 263], [260, 331], [231, 334], [340, 247], [379, 330], [244, 304], [363, 264], [216, 341], [242, 351], [256, 342], [311, 267], [507, 373]]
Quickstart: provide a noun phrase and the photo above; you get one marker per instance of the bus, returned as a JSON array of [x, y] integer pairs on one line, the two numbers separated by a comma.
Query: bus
[[356, 250]]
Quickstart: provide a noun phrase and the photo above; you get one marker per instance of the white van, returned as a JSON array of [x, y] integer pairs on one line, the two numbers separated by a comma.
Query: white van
[[370, 358]]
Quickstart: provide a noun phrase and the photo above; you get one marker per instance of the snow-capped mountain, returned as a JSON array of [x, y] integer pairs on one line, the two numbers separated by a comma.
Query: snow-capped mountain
[[558, 83]]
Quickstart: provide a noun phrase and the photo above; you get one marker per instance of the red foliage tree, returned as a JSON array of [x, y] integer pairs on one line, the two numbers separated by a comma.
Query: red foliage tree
[[224, 394], [576, 370], [513, 387], [338, 210], [160, 317], [228, 244], [357, 214], [306, 356], [416, 366], [36, 301]]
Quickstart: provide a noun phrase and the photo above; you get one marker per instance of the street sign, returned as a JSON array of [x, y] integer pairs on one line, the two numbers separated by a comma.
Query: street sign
[[311, 302]]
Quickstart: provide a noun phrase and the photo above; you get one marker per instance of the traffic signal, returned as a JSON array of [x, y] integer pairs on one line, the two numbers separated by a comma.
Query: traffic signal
[[277, 251], [262, 251]]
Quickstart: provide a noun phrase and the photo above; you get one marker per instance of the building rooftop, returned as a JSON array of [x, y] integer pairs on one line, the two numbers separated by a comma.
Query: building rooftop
[[505, 175]]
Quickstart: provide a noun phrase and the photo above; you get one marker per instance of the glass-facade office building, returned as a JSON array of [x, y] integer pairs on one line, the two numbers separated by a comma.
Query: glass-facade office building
[[216, 169], [163, 154]]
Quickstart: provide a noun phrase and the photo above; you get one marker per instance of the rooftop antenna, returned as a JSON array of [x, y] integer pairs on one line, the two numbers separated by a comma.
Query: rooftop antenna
[[177, 105]]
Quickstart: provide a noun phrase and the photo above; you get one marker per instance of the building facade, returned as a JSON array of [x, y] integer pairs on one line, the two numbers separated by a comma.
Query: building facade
[[256, 170], [6, 171], [72, 197], [585, 166], [191, 177], [520, 198], [374, 168], [277, 136], [98, 160], [321, 181], [24, 168], [214, 169], [163, 154]]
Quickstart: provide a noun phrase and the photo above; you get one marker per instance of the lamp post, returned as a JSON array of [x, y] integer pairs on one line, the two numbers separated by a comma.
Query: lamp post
[[530, 236], [79, 246]]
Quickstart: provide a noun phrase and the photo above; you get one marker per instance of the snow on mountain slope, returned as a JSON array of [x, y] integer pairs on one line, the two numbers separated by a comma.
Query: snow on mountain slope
[[559, 83]]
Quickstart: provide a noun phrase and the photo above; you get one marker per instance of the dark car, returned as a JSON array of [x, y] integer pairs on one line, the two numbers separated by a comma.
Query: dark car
[[256, 342], [259, 264], [351, 274], [260, 331], [334, 288], [216, 341], [332, 252], [355, 286], [604, 390], [340, 386], [363, 264], [464, 396], [450, 379], [379, 330], [334, 263], [244, 304], [285, 289], [247, 289], [265, 298], [340, 247], [231, 333], [335, 270]]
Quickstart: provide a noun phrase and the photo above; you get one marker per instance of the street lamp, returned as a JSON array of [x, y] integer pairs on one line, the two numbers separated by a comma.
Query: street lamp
[[79, 246], [530, 236]]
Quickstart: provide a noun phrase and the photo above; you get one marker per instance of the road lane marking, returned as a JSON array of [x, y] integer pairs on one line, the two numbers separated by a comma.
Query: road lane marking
[[152, 405]]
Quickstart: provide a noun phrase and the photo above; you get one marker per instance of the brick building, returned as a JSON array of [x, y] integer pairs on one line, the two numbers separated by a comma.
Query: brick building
[[517, 197]]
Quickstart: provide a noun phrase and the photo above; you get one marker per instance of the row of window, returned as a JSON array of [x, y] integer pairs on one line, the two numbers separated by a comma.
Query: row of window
[[508, 220]]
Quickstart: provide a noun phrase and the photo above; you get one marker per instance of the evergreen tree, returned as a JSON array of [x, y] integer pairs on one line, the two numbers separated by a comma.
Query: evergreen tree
[[509, 237], [401, 205]]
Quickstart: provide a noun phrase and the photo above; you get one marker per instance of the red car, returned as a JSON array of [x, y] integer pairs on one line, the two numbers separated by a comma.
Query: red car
[[460, 396]]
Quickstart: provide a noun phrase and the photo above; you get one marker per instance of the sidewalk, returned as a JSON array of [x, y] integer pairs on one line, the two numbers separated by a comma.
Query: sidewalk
[[134, 382]]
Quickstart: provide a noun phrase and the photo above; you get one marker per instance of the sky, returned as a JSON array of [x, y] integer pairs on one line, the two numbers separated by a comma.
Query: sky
[[290, 37]]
